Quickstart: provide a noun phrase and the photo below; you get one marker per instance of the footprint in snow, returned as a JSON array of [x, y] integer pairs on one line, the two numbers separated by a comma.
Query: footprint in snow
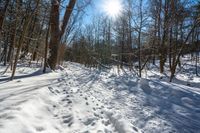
[[59, 85], [51, 89], [70, 124], [96, 115], [19, 81], [65, 99], [68, 101], [106, 122], [57, 91], [59, 80], [100, 131], [134, 128], [86, 132], [55, 115], [10, 117], [107, 131], [89, 121], [67, 118], [39, 129]]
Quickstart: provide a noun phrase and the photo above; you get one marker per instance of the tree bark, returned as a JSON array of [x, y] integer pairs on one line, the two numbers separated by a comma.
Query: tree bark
[[46, 49], [56, 33]]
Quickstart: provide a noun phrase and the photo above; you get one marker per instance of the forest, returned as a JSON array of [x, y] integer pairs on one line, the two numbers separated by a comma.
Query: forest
[[145, 31], [145, 52]]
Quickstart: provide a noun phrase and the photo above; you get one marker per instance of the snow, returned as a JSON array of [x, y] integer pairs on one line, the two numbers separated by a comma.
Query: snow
[[75, 99]]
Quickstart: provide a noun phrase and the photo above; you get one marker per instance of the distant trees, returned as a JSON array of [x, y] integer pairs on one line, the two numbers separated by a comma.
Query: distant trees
[[160, 30], [143, 33], [173, 31]]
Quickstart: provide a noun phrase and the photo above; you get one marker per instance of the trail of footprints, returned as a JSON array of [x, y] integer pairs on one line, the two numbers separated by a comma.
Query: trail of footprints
[[98, 112], [64, 114]]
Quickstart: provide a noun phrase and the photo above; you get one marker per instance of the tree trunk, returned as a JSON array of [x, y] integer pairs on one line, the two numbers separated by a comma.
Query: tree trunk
[[173, 71], [46, 49], [139, 40], [56, 33], [25, 28], [164, 38], [5, 49]]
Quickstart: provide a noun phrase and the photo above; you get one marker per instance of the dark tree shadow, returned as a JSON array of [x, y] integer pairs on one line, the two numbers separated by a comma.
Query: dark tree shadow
[[36, 73], [178, 106]]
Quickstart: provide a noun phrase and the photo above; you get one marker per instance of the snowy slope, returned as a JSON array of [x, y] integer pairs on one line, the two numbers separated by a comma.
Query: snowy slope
[[79, 100]]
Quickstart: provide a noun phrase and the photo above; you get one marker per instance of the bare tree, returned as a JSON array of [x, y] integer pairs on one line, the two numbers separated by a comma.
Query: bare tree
[[56, 32]]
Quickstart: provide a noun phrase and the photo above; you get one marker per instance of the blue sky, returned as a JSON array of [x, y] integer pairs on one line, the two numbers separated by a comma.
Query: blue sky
[[90, 11], [94, 8]]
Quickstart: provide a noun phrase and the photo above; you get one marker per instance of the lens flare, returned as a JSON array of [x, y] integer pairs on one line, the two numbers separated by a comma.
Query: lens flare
[[112, 8]]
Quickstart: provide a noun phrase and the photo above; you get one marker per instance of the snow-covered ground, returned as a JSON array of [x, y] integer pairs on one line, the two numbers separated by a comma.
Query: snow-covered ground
[[80, 100]]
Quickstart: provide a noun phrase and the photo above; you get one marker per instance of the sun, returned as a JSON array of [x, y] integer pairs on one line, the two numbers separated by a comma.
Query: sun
[[112, 8]]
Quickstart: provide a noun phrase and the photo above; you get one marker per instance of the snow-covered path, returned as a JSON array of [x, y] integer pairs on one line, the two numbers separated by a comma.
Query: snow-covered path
[[80, 100]]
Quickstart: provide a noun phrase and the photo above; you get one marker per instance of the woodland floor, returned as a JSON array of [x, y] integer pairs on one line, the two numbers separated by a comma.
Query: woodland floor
[[76, 99]]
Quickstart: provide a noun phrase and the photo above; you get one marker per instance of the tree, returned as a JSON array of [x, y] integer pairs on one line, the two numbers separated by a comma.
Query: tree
[[21, 39], [56, 32]]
